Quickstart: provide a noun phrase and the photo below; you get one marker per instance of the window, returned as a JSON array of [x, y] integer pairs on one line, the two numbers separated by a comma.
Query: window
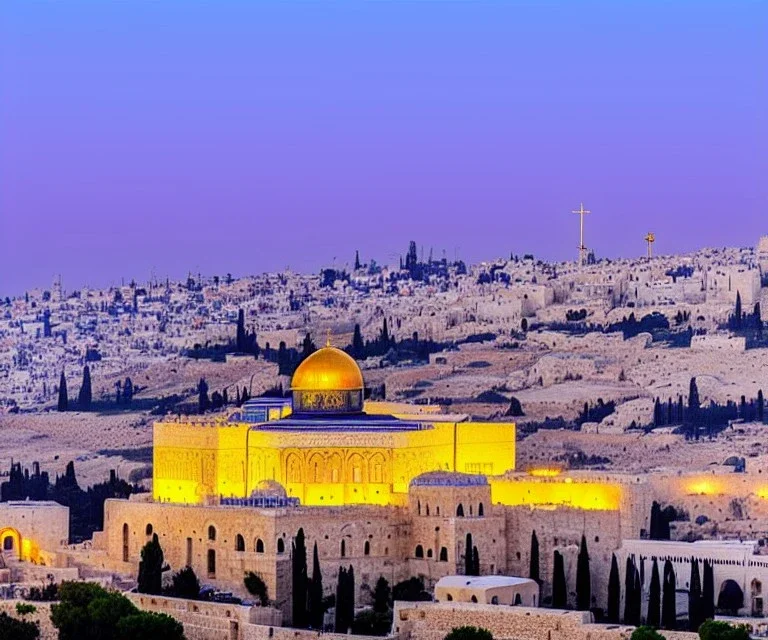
[[212, 533], [460, 511], [8, 543], [280, 545], [480, 510], [148, 530], [419, 551], [367, 548], [189, 552], [343, 548], [427, 509], [448, 597], [239, 543], [259, 545], [211, 563], [429, 553], [443, 554], [474, 599], [418, 507], [518, 599], [495, 600], [125, 542]]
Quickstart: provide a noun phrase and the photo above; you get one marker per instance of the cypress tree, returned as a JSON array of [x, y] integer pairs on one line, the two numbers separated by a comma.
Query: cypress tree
[[583, 579], [63, 400], [315, 596], [240, 337], [349, 599], [203, 402], [693, 407], [708, 593], [614, 592], [85, 395], [629, 593], [658, 414], [357, 260], [559, 588], [382, 594], [637, 594], [150, 578], [340, 624], [534, 573], [737, 315], [668, 612], [760, 406], [469, 567], [128, 390], [680, 415], [694, 598], [655, 516], [654, 598], [670, 419], [358, 346], [299, 574]]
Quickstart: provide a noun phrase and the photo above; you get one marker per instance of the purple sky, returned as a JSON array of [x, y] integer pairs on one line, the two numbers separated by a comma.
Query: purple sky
[[243, 136]]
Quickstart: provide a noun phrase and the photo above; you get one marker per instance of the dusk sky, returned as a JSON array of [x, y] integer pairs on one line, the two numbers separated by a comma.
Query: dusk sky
[[247, 136]]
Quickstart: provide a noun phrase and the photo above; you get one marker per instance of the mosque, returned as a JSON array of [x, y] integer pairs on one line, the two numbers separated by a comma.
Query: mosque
[[392, 489], [325, 447]]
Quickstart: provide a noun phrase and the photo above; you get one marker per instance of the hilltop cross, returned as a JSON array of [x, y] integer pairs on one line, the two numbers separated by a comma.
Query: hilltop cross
[[582, 249]]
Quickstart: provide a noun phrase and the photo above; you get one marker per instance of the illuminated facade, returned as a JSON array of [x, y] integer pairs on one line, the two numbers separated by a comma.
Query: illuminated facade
[[325, 448]]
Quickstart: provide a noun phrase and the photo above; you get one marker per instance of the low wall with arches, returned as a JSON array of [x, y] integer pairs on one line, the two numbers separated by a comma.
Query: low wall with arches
[[29, 529]]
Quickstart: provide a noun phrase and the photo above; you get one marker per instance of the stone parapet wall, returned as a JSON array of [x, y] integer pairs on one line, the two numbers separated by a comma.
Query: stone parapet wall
[[42, 617], [433, 621]]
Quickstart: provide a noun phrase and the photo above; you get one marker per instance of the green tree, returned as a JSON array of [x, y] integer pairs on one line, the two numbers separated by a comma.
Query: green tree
[[559, 588], [708, 592], [668, 611], [63, 404], [654, 597], [534, 570], [370, 623], [85, 396], [185, 584], [469, 633], [410, 590], [315, 604], [583, 579], [87, 611], [713, 630], [646, 633], [23, 608], [629, 593], [694, 598], [614, 592], [694, 405], [299, 573], [760, 406], [128, 391], [357, 260], [144, 625], [382, 595], [15, 629], [256, 587], [150, 578], [358, 346], [345, 600], [203, 401]]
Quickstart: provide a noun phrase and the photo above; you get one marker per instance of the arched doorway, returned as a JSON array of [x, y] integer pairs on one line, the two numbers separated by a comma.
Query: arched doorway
[[756, 589], [731, 597], [10, 541]]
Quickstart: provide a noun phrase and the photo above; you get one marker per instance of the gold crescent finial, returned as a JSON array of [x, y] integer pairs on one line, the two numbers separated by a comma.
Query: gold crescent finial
[[328, 338]]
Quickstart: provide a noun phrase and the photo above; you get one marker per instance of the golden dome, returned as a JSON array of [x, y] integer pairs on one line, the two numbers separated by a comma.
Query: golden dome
[[328, 369]]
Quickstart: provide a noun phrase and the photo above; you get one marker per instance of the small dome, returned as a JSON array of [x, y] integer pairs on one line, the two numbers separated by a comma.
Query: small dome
[[328, 369], [269, 489]]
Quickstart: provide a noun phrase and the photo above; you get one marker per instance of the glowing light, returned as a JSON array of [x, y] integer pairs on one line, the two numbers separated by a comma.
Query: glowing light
[[546, 494], [544, 472], [703, 488]]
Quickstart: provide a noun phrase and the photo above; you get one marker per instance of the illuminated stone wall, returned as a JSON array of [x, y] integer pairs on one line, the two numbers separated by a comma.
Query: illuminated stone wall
[[196, 462], [34, 527]]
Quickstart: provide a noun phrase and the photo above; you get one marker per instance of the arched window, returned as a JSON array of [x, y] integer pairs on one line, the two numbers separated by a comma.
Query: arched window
[[495, 600], [437, 510], [367, 548], [470, 511], [280, 545], [239, 543], [418, 507], [429, 553], [443, 554], [259, 545], [474, 599], [125, 542], [448, 597], [419, 551], [343, 548], [212, 533], [148, 530], [480, 510], [460, 511], [518, 599], [211, 563], [427, 508]]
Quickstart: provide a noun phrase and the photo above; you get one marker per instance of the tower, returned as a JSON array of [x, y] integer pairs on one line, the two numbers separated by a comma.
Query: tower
[[650, 238], [581, 211]]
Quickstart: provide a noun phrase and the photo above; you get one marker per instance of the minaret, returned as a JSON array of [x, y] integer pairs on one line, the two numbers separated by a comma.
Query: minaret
[[582, 248], [650, 238]]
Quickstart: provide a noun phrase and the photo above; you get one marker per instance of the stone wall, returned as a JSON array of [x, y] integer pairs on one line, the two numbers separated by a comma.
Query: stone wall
[[432, 621], [42, 617]]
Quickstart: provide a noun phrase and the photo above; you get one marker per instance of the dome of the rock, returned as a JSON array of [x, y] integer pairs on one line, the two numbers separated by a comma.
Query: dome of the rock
[[328, 381]]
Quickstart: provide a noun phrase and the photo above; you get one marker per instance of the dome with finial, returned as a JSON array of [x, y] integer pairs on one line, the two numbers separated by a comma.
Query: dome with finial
[[328, 381]]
